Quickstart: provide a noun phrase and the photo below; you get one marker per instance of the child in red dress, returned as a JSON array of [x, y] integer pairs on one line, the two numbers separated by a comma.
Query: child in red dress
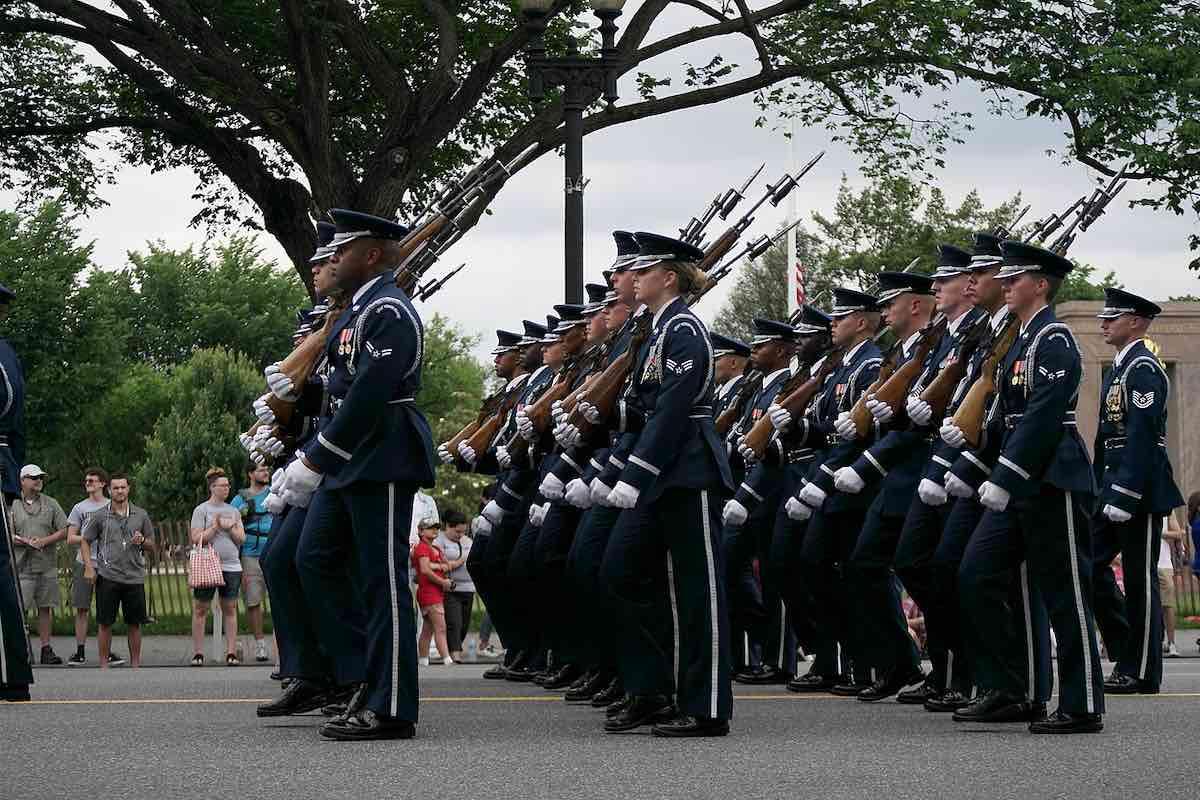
[[431, 567]]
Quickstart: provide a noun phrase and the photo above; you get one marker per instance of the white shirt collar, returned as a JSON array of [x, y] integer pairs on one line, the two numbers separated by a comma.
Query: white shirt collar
[[727, 386], [658, 314], [775, 375], [516, 382], [1124, 351], [539, 371], [846, 359], [955, 323], [816, 366], [363, 289], [909, 344], [998, 318], [1031, 319]]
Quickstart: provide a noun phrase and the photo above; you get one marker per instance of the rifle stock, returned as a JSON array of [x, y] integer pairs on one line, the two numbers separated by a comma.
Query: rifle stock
[[860, 414], [971, 412], [300, 362], [940, 390]]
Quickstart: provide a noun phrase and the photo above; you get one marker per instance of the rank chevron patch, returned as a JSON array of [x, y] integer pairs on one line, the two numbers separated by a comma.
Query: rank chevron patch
[[680, 367], [1143, 400]]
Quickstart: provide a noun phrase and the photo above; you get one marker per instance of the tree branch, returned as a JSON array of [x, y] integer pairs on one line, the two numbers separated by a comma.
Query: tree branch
[[387, 81], [447, 36], [751, 30], [703, 7], [694, 35], [161, 124]]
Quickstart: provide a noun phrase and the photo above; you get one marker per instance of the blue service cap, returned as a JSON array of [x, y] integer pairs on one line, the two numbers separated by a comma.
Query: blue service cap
[[809, 320], [627, 250], [952, 261], [725, 346], [894, 284], [768, 330], [1020, 258], [505, 341], [551, 325], [325, 232], [353, 225], [534, 332], [654, 249], [1119, 301], [595, 297], [986, 251], [570, 315], [850, 301]]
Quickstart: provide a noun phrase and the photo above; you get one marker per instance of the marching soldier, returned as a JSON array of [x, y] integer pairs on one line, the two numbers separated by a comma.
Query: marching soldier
[[729, 371], [1039, 495], [663, 551], [371, 457], [1137, 490], [16, 674]]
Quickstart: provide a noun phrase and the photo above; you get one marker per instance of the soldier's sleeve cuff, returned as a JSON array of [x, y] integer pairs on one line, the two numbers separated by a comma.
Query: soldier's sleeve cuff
[[1011, 476], [566, 468], [747, 496], [324, 460], [823, 479], [1128, 493], [639, 473], [508, 498], [869, 458]]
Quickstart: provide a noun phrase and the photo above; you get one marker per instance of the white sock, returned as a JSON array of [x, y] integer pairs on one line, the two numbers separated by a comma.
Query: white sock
[[424, 662], [447, 661]]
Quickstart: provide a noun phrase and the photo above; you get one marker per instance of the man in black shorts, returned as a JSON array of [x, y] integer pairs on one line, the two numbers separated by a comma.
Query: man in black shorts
[[121, 534]]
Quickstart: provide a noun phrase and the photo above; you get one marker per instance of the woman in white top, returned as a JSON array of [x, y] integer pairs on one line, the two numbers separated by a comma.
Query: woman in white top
[[456, 546], [217, 523]]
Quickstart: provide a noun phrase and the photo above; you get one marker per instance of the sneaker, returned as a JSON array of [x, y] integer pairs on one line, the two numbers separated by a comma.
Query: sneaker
[[49, 656], [434, 655], [77, 660], [491, 652], [447, 661], [423, 662], [260, 651], [115, 660], [1172, 651]]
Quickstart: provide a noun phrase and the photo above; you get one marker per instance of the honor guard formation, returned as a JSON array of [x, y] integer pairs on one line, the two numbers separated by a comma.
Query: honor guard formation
[[674, 510]]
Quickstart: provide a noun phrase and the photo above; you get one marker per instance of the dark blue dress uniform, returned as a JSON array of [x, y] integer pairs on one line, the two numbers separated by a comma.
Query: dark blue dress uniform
[[374, 453], [1135, 476], [1036, 454], [665, 552], [16, 673]]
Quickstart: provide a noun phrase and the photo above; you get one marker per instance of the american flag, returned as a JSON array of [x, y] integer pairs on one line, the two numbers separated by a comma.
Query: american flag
[[800, 294]]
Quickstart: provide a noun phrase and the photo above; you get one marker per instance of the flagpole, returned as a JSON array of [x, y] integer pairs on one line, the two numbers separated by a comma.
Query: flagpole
[[793, 287]]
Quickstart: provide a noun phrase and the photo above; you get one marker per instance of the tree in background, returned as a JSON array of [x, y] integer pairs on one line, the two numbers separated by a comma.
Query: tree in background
[[882, 227]]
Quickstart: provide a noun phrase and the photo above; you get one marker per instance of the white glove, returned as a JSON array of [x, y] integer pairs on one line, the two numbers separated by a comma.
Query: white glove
[[812, 495], [918, 410], [492, 512], [556, 411], [525, 426], [258, 458], [880, 410], [744, 451], [277, 480], [734, 513], [271, 446], [780, 417], [444, 453], [600, 492], [1115, 514], [845, 427], [263, 411], [848, 481], [930, 493], [566, 434], [797, 510], [957, 487], [274, 503], [589, 411], [993, 497], [466, 452], [537, 514], [578, 494], [552, 487], [246, 440], [299, 482], [280, 384], [623, 495], [502, 457], [480, 527], [952, 435]]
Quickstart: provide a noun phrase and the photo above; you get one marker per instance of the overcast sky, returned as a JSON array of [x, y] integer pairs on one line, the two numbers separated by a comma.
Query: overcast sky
[[655, 174]]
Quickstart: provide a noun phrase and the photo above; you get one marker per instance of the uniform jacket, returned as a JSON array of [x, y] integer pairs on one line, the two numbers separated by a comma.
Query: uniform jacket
[[1131, 463], [376, 433], [765, 477], [673, 380], [521, 477], [1034, 422], [12, 417]]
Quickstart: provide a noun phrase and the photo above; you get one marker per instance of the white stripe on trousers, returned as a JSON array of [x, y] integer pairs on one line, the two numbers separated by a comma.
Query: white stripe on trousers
[[391, 548], [782, 632], [1030, 667], [715, 621], [674, 619], [1150, 574], [1085, 642]]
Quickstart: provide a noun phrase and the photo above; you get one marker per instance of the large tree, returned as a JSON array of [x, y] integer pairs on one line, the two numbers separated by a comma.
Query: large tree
[[286, 108]]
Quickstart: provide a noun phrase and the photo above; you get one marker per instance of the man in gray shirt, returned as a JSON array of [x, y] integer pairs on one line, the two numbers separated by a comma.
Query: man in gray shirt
[[120, 535], [95, 483]]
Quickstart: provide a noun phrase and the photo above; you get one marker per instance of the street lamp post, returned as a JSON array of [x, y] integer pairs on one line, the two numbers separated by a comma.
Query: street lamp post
[[580, 77]]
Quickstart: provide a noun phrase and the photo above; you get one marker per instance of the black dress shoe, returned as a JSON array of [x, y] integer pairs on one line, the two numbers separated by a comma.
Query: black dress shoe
[[15, 694], [747, 674], [520, 675], [562, 678], [891, 684], [351, 704], [811, 683], [691, 727], [1066, 722], [849, 689], [584, 679], [496, 673], [366, 725], [584, 692], [642, 710], [918, 695], [1118, 683], [948, 701], [610, 694], [618, 706], [300, 697], [996, 706], [275, 676], [766, 676]]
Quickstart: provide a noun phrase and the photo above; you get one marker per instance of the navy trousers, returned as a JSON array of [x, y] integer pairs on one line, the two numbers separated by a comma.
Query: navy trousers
[[595, 609], [1046, 540], [920, 538], [367, 524], [1132, 624], [828, 543], [15, 657], [560, 602], [756, 605], [663, 565]]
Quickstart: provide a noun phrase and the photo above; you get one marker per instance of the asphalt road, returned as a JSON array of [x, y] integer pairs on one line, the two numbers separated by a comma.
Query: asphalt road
[[175, 731]]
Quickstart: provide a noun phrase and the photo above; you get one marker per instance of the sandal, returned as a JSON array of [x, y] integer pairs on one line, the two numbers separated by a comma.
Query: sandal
[[198, 660], [231, 660]]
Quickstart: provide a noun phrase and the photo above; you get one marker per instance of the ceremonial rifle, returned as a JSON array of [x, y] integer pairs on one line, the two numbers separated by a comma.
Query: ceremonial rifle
[[432, 286], [971, 412], [891, 386], [1090, 212], [750, 251], [722, 205], [761, 432], [751, 382]]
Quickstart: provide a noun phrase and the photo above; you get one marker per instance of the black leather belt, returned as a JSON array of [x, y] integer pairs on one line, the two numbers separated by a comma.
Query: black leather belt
[[801, 455], [1011, 420], [1117, 442]]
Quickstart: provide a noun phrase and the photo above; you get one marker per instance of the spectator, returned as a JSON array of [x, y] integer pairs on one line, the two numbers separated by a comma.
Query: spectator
[[217, 523], [39, 524], [251, 504], [1172, 537], [122, 534], [95, 483], [456, 546], [424, 508], [432, 584], [1193, 512]]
